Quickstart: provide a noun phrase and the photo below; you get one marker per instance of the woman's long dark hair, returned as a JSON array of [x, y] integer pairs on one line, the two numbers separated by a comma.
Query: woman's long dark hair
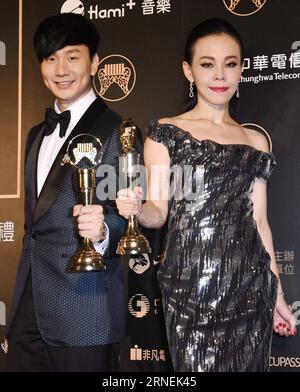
[[209, 27]]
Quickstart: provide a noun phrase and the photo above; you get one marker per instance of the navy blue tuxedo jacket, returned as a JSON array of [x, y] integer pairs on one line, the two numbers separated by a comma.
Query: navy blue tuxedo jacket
[[72, 309]]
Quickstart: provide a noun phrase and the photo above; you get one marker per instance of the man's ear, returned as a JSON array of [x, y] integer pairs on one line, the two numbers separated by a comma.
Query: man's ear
[[95, 64]]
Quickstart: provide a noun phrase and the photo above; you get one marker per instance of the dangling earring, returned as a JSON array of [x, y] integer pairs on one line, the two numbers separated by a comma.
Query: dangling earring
[[191, 94], [238, 92]]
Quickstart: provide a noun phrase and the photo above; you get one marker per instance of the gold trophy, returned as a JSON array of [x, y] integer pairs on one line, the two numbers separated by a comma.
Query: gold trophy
[[84, 152], [133, 242]]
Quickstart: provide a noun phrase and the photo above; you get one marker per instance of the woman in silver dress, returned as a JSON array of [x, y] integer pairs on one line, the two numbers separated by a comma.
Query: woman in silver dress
[[222, 295]]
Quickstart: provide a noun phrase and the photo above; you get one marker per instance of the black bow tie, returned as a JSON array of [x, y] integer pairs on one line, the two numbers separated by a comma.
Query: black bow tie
[[52, 119]]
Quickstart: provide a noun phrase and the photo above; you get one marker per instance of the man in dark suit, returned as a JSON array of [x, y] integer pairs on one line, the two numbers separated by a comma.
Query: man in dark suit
[[64, 321]]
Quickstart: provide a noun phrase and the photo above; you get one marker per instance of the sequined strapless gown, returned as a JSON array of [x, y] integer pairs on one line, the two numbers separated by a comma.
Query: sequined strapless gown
[[218, 290]]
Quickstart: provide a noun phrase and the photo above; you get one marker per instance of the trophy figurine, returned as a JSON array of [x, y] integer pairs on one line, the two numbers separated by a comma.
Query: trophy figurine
[[133, 242], [84, 152]]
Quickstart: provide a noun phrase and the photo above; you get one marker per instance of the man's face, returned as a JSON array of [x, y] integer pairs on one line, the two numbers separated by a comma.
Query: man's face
[[67, 73]]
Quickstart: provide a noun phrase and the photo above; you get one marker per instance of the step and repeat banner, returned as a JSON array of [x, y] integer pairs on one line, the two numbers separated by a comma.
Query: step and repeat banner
[[140, 76]]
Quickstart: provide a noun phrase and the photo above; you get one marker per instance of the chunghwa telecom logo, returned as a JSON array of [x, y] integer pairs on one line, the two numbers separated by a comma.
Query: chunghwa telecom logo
[[139, 305], [2, 53], [244, 7], [115, 78]]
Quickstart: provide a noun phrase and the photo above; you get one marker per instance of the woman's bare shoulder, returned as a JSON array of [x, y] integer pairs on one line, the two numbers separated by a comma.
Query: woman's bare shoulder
[[260, 141]]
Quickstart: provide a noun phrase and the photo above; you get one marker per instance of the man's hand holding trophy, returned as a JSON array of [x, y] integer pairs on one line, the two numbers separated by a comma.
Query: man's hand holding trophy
[[84, 152]]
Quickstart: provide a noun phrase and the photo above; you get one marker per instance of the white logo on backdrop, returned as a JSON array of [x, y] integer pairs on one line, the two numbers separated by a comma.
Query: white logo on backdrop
[[97, 10], [244, 7], [72, 6], [138, 305], [7, 231], [139, 264], [290, 362], [2, 313], [147, 354], [2, 53], [115, 78], [273, 67], [296, 46]]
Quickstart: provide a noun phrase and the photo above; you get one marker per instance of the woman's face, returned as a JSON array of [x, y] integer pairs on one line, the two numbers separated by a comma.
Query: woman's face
[[216, 68]]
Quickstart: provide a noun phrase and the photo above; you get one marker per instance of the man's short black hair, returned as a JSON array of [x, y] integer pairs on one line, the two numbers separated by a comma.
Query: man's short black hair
[[57, 31]]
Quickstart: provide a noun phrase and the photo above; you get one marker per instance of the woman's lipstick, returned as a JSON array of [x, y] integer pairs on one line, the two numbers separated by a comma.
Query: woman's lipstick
[[219, 89]]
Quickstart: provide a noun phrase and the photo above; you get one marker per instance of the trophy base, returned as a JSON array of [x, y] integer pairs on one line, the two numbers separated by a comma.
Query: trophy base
[[87, 261], [132, 245]]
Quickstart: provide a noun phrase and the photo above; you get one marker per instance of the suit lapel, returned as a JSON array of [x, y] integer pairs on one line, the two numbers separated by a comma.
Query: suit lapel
[[57, 172], [30, 175]]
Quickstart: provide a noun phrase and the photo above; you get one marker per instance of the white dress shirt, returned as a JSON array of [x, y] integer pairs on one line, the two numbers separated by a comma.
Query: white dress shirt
[[52, 144]]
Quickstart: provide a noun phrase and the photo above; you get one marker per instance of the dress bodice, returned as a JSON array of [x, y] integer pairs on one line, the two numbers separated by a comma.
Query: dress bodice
[[211, 183]]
